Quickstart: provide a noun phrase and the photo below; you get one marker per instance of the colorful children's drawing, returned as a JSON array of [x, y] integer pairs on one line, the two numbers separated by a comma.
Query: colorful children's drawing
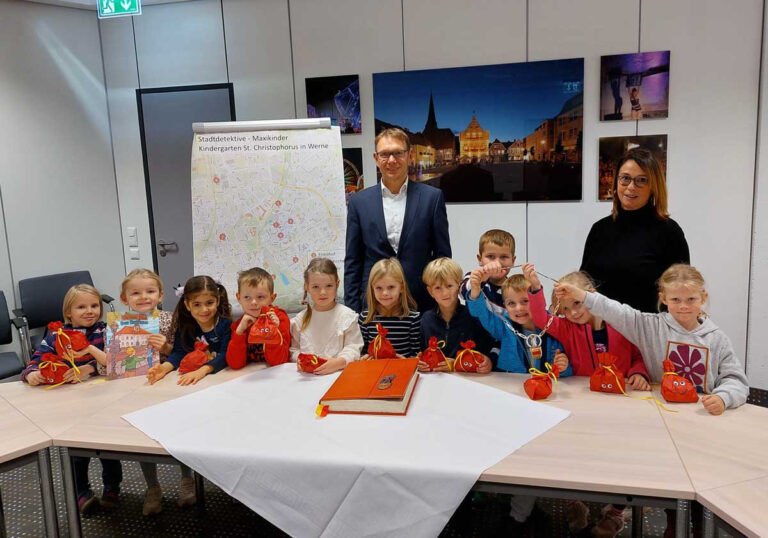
[[127, 346]]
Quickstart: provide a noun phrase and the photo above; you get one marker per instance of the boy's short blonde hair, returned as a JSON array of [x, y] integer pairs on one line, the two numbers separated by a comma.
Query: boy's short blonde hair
[[442, 270], [497, 237], [140, 273], [253, 277], [516, 282], [71, 295]]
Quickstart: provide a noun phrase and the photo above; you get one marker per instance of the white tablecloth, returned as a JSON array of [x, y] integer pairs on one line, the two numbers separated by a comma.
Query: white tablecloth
[[257, 438]]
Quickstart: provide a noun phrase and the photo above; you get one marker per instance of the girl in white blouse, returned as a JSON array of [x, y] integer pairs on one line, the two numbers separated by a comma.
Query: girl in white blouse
[[325, 328]]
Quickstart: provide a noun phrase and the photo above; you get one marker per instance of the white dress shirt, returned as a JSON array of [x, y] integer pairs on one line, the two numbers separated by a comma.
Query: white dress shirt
[[394, 212]]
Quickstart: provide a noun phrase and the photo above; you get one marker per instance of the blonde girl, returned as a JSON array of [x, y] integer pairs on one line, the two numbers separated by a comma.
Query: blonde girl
[[684, 335], [391, 304], [582, 333], [142, 291], [82, 311], [325, 328]]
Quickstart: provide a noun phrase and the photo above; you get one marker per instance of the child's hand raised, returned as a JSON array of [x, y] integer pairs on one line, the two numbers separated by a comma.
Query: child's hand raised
[[272, 316], [476, 278], [530, 274], [713, 403], [564, 290], [638, 382], [495, 270], [246, 322], [561, 361]]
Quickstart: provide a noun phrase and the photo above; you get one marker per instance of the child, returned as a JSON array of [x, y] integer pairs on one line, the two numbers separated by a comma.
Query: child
[[325, 328], [450, 321], [584, 334], [142, 292], [82, 311], [513, 325], [255, 293], [203, 313], [496, 251], [391, 304], [700, 350]]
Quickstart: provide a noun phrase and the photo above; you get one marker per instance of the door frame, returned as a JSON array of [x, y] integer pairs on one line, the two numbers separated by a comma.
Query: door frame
[[148, 190]]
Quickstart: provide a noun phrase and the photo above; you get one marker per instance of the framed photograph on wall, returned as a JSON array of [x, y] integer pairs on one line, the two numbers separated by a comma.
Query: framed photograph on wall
[[353, 171], [492, 133], [337, 98], [614, 147], [634, 86]]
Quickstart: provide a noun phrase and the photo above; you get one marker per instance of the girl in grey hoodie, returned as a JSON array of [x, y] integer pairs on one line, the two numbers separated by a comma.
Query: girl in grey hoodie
[[684, 335]]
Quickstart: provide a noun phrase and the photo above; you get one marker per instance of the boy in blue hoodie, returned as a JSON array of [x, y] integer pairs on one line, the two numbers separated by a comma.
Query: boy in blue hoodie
[[514, 325]]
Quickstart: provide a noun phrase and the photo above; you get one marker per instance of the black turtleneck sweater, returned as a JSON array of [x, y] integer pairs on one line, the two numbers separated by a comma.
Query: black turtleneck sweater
[[626, 256]]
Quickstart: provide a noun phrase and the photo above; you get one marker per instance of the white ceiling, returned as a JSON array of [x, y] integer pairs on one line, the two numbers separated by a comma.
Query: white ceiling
[[91, 4]]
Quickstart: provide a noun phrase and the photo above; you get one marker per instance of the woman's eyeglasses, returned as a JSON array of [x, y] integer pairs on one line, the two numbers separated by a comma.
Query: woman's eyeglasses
[[640, 181]]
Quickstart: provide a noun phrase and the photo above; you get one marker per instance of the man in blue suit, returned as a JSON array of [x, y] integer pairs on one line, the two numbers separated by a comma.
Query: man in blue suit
[[398, 218]]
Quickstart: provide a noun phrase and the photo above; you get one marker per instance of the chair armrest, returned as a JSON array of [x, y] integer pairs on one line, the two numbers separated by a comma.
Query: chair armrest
[[19, 323], [19, 313], [107, 298]]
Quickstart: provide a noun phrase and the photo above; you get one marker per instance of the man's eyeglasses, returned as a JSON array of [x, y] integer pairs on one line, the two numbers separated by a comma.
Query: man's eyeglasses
[[640, 181], [385, 155]]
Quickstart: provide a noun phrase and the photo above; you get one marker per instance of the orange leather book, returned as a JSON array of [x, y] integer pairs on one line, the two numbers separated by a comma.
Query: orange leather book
[[381, 387]]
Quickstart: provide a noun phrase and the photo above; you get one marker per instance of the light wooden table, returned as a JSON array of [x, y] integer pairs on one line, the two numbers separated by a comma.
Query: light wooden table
[[743, 505], [104, 433], [727, 461], [720, 450], [60, 408], [22, 443], [611, 448]]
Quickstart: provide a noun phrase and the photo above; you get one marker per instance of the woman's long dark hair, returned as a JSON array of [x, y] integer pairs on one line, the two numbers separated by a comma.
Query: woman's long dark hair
[[183, 322]]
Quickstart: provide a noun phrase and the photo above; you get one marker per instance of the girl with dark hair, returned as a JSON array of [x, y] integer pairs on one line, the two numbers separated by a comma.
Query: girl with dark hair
[[202, 314]]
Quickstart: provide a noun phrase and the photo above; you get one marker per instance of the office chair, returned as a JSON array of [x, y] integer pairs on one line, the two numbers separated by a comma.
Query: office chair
[[10, 364], [41, 298]]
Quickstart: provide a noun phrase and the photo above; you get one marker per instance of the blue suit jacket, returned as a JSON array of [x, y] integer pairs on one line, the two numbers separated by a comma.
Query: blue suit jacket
[[424, 237]]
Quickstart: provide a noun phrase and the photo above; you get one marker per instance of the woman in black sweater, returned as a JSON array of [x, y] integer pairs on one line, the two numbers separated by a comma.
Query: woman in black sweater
[[627, 251]]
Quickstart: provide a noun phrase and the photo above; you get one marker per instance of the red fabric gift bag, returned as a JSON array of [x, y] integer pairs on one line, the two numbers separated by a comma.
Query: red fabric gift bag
[[433, 355], [68, 340], [309, 362], [264, 331], [195, 359], [539, 386], [675, 388], [607, 377], [52, 369], [380, 347], [467, 360]]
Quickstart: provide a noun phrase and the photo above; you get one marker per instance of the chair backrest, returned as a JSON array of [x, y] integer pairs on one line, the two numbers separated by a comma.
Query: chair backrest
[[6, 336], [41, 296]]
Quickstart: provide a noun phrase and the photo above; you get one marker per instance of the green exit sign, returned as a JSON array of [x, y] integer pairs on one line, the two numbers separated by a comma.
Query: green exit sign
[[118, 8]]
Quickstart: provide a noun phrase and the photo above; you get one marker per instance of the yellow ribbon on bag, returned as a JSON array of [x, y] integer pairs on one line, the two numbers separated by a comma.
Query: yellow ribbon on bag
[[656, 401]]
